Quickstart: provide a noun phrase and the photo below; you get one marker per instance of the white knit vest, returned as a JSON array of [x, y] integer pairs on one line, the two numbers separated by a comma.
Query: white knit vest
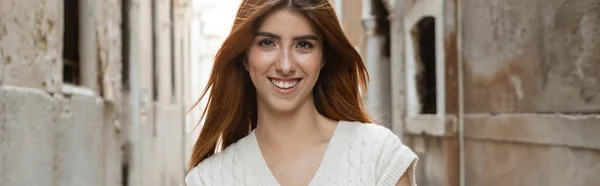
[[358, 154]]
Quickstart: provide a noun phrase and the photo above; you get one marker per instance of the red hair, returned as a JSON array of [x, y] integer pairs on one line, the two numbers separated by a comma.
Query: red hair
[[230, 113]]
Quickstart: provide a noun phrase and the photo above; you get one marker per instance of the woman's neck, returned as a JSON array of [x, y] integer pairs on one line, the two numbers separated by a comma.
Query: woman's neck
[[301, 126]]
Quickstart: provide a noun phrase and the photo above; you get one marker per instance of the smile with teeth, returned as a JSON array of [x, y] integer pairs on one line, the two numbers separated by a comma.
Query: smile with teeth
[[284, 84]]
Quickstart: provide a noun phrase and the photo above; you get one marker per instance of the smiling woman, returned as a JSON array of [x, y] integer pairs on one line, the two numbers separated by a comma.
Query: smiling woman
[[284, 61], [284, 106]]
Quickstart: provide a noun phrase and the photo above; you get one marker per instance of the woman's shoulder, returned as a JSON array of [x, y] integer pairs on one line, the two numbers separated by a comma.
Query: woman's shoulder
[[372, 133], [378, 140], [381, 146], [218, 167]]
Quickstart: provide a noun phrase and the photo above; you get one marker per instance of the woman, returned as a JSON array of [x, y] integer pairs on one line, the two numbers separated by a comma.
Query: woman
[[285, 108]]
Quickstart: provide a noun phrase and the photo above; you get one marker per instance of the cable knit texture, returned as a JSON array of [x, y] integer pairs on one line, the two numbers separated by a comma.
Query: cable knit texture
[[358, 154]]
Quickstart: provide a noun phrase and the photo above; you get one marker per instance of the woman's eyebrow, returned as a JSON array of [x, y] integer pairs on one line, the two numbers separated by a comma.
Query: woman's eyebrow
[[275, 36], [306, 37], [268, 34]]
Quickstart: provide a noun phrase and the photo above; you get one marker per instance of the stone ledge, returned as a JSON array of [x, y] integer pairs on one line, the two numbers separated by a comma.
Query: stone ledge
[[432, 125], [545, 129], [28, 117]]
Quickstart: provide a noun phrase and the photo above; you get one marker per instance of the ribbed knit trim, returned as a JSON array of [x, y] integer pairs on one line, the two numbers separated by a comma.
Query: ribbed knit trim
[[338, 144], [259, 171], [404, 158], [327, 170]]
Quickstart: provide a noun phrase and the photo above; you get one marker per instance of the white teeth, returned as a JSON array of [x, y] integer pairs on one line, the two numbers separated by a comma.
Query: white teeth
[[284, 84]]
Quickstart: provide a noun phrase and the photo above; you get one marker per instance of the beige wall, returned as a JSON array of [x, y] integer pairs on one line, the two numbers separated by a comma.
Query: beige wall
[[52, 133], [534, 64], [532, 57], [30, 43], [531, 97], [156, 142], [352, 22]]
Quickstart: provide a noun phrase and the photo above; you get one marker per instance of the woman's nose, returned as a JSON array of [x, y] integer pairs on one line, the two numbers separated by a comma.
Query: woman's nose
[[285, 63]]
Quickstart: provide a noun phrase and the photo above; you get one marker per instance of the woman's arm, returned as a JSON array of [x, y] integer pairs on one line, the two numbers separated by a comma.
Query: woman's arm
[[404, 180]]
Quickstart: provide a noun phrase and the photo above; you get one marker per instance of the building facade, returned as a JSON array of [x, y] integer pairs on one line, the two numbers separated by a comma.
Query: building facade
[[488, 92], [91, 92]]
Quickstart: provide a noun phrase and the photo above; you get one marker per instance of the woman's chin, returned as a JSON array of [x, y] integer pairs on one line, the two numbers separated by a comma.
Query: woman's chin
[[280, 107], [283, 105], [288, 104]]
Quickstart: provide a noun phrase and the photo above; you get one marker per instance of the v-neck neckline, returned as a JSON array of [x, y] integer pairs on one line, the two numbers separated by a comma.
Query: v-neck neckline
[[327, 167]]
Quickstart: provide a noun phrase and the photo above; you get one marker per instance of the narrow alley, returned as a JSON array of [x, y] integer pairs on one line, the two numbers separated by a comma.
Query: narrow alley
[[499, 92]]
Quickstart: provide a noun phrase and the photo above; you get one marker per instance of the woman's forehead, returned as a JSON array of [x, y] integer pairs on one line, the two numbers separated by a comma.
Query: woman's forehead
[[285, 22]]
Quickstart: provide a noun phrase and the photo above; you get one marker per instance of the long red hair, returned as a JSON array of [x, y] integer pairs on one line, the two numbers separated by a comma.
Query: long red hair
[[231, 108]]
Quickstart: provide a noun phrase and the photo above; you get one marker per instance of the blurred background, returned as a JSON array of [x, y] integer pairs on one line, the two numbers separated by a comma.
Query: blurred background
[[497, 92]]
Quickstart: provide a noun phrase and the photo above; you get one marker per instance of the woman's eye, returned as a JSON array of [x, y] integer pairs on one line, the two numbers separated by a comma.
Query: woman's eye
[[304, 45], [267, 43]]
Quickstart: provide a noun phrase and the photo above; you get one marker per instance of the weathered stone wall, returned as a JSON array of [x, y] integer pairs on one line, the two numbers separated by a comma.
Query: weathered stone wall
[[531, 89], [110, 58], [56, 139], [494, 163], [110, 50], [27, 147], [54, 134], [536, 56], [155, 147], [79, 140], [31, 43], [532, 92]]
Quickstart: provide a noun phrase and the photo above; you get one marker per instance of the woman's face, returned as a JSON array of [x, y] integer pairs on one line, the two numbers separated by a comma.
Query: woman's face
[[284, 61]]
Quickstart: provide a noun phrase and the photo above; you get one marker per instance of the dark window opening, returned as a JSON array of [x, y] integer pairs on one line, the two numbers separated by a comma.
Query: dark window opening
[[125, 174], [172, 29], [71, 63], [173, 99], [125, 45], [425, 54], [155, 70], [125, 80], [380, 12]]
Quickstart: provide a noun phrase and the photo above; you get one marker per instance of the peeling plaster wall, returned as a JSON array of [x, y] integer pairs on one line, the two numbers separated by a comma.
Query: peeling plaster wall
[[531, 94], [110, 58], [31, 43], [532, 56], [109, 49], [53, 134], [532, 91]]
